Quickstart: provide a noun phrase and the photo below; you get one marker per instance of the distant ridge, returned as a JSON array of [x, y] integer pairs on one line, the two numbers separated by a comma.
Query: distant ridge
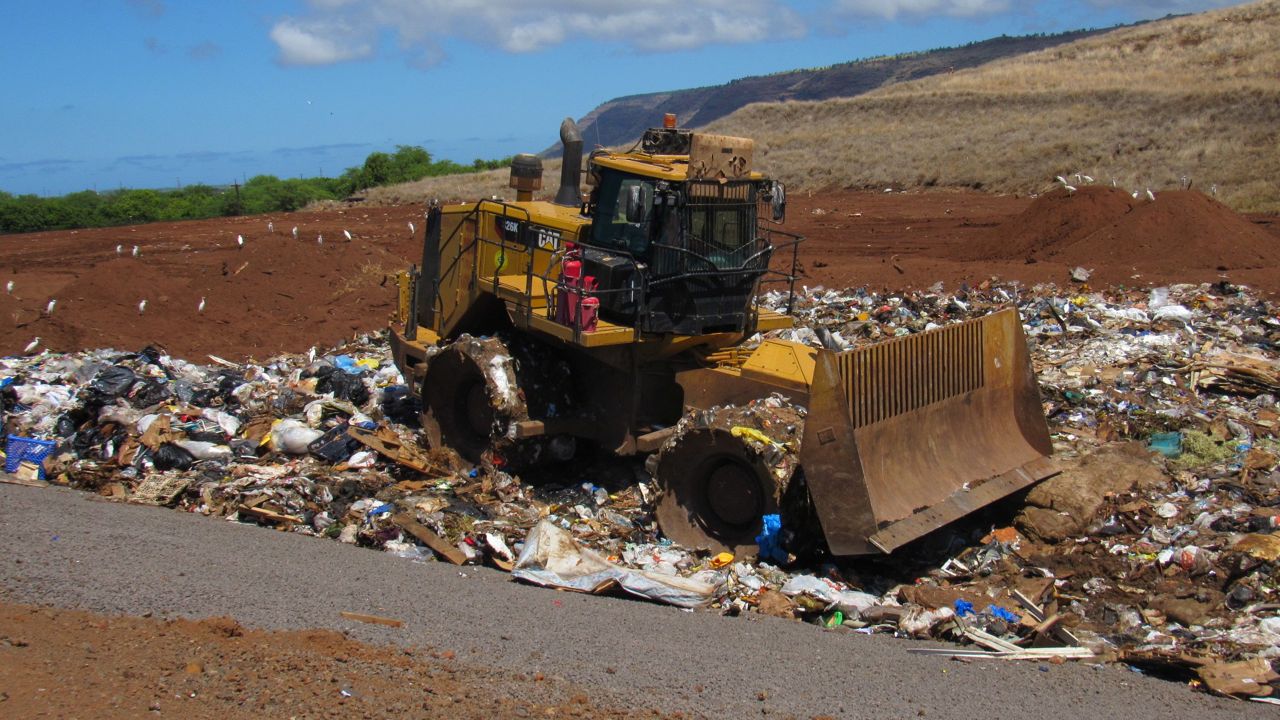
[[623, 120]]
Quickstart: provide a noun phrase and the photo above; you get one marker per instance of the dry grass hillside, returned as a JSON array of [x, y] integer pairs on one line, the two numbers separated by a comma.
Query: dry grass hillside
[[1196, 96]]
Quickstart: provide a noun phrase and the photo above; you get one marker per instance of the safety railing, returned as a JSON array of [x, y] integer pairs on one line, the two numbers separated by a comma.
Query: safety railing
[[757, 257]]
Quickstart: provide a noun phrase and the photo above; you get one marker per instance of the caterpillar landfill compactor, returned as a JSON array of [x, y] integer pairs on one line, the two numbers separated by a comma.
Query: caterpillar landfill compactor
[[623, 321]]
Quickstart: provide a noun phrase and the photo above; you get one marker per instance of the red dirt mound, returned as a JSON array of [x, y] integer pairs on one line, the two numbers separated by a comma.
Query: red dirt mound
[[1055, 219], [1180, 230]]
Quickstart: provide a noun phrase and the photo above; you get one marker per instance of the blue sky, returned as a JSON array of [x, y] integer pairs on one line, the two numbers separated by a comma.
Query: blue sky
[[101, 94]]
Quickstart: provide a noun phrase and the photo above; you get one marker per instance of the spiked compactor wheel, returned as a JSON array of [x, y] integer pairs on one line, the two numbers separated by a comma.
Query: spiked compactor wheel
[[470, 397]]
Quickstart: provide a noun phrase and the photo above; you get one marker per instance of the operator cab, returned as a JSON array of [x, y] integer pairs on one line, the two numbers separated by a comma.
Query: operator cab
[[674, 244]]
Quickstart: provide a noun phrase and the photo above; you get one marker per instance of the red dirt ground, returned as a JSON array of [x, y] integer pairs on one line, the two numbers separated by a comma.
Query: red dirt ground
[[280, 294], [68, 664]]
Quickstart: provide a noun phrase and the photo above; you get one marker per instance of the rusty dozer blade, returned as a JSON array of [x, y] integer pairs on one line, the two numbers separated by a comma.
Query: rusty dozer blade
[[908, 435]]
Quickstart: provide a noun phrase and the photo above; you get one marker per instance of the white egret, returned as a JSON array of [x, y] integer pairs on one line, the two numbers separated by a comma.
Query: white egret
[[1062, 180], [135, 251], [271, 227], [119, 249], [48, 309], [200, 307], [295, 232], [412, 229], [347, 233], [240, 240], [320, 239], [1087, 178], [1070, 188], [142, 307], [8, 288], [1150, 195], [31, 346]]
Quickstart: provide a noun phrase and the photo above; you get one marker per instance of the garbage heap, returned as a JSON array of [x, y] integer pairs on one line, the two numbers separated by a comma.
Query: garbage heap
[[1156, 546]]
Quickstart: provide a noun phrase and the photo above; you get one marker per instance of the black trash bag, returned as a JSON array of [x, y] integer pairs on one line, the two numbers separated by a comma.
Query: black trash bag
[[86, 440], [65, 426], [218, 438], [343, 385], [399, 405], [184, 390], [152, 354], [148, 392], [228, 381], [335, 445], [204, 397], [109, 384], [173, 457]]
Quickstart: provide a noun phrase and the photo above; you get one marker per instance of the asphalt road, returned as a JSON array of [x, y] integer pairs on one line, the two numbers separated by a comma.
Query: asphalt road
[[70, 549]]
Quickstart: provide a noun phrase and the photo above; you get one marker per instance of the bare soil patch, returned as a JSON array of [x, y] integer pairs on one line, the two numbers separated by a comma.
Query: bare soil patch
[[281, 294]]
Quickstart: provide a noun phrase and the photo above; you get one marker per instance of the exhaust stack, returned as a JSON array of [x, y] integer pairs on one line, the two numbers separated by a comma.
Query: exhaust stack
[[570, 192]]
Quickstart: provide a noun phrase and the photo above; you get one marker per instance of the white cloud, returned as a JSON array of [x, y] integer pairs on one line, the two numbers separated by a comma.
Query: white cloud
[[894, 9], [317, 43], [332, 29]]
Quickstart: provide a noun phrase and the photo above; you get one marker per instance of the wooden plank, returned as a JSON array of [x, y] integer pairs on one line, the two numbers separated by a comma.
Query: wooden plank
[[271, 515], [12, 479], [424, 534], [371, 619], [385, 442], [1067, 653]]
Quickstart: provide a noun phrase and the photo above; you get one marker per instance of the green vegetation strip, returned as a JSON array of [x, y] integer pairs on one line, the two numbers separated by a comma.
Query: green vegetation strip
[[261, 194]]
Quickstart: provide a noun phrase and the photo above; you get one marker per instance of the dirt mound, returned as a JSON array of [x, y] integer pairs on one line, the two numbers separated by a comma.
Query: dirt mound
[[1180, 231], [1053, 220]]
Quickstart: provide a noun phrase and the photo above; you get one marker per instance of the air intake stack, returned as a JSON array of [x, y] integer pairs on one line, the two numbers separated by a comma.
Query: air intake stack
[[526, 176]]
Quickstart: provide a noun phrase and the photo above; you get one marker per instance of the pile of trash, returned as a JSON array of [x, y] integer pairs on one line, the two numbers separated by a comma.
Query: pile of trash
[[1157, 546]]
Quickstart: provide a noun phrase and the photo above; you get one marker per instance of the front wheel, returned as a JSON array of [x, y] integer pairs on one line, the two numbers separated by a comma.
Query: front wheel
[[470, 397], [715, 491]]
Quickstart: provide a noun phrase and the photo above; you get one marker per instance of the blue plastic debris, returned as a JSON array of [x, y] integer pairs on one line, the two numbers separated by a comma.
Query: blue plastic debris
[[997, 611], [1167, 444], [769, 541], [964, 607]]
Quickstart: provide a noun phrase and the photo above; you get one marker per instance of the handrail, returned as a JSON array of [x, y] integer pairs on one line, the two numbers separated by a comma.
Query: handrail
[[554, 286]]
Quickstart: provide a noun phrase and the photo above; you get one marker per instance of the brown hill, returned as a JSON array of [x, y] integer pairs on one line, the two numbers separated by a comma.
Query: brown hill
[[1194, 97]]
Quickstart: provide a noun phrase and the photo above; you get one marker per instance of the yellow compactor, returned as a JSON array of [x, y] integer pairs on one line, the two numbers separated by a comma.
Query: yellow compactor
[[623, 321]]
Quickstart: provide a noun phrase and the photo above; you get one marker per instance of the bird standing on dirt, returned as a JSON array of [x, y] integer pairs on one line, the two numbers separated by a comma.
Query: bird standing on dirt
[[31, 346], [8, 288], [320, 239], [295, 232], [48, 309], [412, 229], [1150, 195], [200, 307], [271, 227], [347, 233], [142, 307], [240, 240], [135, 251], [119, 249]]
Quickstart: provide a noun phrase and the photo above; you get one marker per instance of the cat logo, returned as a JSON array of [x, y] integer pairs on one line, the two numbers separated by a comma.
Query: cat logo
[[547, 238]]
